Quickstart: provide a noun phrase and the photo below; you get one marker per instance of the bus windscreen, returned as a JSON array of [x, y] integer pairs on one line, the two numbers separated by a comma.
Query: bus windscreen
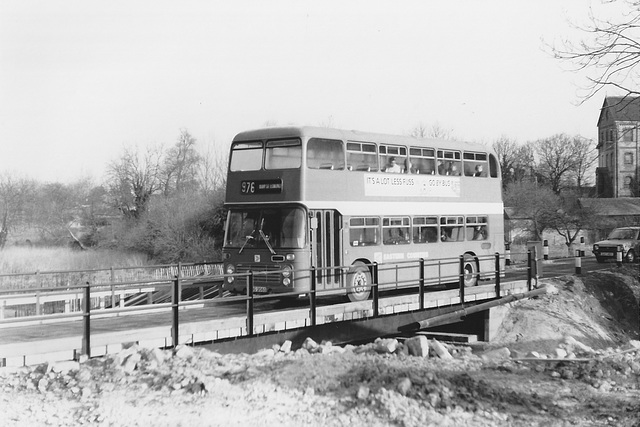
[[273, 228]]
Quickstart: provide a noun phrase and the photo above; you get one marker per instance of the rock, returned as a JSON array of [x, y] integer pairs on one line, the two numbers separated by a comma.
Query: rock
[[561, 353], [65, 366], [363, 392], [130, 363], [403, 386], [497, 354], [310, 345], [440, 350], [286, 346], [386, 345], [267, 352], [184, 352], [573, 344], [418, 346]]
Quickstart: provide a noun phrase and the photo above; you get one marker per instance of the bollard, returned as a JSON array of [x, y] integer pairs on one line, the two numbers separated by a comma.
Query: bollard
[[619, 256], [545, 250], [578, 263], [582, 251], [507, 254]]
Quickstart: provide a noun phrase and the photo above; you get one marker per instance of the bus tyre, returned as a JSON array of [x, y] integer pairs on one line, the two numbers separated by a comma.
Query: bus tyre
[[358, 282], [470, 271]]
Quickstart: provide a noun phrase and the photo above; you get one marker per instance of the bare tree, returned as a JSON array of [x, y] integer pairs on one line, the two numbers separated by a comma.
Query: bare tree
[[571, 217], [15, 194], [516, 161], [180, 167], [586, 157], [212, 169], [558, 158], [435, 131], [609, 53], [535, 203], [133, 178]]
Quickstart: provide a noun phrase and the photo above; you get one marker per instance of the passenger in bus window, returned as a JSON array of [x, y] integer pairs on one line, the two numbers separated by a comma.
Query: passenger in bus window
[[393, 166], [442, 170], [480, 233], [478, 171]]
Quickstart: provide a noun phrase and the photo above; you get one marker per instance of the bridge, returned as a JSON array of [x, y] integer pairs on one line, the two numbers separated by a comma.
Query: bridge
[[68, 315]]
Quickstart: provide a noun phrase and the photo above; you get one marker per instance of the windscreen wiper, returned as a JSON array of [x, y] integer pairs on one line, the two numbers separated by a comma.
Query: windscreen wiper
[[265, 238], [249, 237]]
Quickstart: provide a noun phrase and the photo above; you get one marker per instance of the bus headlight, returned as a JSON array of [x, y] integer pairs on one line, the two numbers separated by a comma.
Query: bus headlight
[[230, 270], [286, 275], [596, 247]]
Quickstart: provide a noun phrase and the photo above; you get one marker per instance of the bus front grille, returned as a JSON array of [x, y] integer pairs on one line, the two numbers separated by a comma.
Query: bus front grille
[[263, 274]]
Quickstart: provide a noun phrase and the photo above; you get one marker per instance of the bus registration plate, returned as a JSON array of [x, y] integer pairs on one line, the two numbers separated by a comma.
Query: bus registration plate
[[606, 253], [260, 289]]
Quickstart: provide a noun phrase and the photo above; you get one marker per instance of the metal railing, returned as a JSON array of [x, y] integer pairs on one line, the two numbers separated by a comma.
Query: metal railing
[[176, 287]]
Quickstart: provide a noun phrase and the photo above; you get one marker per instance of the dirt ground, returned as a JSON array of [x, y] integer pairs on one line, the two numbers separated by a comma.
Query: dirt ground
[[569, 357]]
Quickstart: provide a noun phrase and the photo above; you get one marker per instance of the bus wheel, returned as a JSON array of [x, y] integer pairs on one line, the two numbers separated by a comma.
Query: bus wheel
[[470, 271], [358, 282]]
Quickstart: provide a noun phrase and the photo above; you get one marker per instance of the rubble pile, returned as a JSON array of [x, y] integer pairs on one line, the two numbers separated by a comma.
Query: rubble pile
[[412, 381], [406, 381]]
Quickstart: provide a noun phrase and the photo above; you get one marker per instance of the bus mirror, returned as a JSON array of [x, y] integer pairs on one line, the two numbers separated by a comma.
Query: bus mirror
[[314, 223]]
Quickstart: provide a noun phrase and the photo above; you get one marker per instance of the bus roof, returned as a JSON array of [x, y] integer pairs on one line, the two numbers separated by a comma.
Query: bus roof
[[353, 135]]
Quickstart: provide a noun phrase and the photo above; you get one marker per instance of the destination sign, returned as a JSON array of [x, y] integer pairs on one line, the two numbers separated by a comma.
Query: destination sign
[[263, 186]]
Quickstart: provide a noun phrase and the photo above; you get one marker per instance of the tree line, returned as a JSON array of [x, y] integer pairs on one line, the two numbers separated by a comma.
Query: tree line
[[166, 202]]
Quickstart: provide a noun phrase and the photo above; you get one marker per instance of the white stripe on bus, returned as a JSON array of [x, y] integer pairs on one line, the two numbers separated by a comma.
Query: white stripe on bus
[[409, 208]]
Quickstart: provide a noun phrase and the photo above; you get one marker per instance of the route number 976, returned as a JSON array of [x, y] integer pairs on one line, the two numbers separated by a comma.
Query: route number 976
[[248, 187]]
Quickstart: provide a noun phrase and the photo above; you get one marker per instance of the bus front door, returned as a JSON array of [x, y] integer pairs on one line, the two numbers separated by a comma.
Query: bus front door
[[325, 249]]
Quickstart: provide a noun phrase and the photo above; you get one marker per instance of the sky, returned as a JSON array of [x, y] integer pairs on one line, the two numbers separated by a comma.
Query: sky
[[82, 80]]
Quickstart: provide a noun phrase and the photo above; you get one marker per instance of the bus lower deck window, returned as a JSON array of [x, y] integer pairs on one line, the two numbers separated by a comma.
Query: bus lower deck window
[[364, 231]]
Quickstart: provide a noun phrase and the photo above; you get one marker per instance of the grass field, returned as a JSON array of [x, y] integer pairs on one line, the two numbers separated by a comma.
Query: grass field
[[30, 260]]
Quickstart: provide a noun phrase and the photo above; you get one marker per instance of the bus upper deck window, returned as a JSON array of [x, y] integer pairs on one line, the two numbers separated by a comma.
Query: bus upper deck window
[[393, 158], [475, 164], [325, 154], [449, 162], [246, 156], [283, 154], [422, 160], [362, 156]]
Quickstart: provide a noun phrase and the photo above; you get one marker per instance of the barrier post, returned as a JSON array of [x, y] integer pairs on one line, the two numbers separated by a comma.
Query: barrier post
[[175, 305], [421, 284], [578, 263], [86, 317], [545, 250], [461, 279], [507, 254], [374, 289], [312, 297], [582, 251], [497, 275], [250, 304], [529, 269]]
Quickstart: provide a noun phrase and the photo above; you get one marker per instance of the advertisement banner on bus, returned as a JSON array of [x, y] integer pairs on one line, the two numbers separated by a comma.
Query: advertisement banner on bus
[[411, 185]]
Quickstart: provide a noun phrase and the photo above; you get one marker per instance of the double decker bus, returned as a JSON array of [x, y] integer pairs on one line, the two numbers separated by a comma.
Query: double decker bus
[[339, 201]]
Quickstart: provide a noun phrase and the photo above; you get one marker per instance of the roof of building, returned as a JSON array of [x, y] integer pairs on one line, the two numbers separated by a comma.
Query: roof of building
[[621, 108], [620, 206]]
